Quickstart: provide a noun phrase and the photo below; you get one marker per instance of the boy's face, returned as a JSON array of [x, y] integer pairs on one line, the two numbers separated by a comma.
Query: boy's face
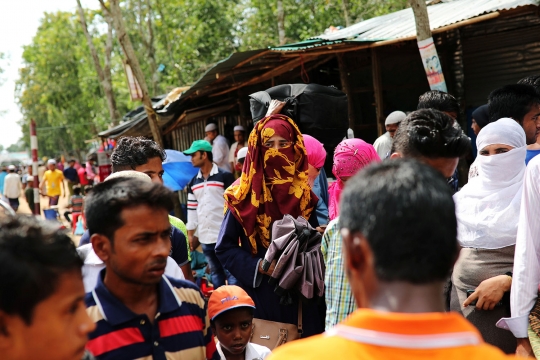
[[153, 168], [59, 328], [233, 329]]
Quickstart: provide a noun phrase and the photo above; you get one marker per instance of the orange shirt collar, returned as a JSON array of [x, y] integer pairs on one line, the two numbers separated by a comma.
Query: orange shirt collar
[[405, 330]]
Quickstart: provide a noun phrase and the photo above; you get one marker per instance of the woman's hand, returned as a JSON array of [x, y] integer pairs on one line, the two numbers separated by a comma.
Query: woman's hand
[[274, 107], [490, 292], [270, 269]]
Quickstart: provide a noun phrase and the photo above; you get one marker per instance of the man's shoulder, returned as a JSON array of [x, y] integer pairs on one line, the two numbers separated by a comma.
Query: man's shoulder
[[314, 347], [187, 292]]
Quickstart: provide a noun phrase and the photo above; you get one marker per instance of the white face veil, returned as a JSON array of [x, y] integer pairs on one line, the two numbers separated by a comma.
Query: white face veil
[[487, 208]]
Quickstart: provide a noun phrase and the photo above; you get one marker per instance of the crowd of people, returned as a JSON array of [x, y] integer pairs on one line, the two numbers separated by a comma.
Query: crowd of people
[[421, 256]]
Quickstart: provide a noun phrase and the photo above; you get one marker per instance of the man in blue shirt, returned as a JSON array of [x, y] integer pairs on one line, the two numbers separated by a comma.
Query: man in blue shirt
[[70, 174]]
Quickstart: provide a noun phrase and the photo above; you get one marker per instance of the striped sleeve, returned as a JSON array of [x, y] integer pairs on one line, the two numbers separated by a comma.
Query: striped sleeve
[[193, 219]]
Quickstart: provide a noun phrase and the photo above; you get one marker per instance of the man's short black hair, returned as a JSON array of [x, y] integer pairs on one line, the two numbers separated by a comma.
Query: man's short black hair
[[103, 207], [512, 101], [34, 254], [533, 80], [131, 152], [209, 155], [71, 161], [405, 211], [77, 190], [429, 133], [438, 100]]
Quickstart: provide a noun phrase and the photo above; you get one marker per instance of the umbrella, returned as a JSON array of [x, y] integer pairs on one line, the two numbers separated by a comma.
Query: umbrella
[[178, 170]]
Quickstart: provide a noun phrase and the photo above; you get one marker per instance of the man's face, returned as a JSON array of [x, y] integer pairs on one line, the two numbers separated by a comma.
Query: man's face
[[211, 135], [51, 167], [59, 328], [138, 254], [71, 163], [198, 159], [239, 137], [531, 124], [392, 129], [153, 168]]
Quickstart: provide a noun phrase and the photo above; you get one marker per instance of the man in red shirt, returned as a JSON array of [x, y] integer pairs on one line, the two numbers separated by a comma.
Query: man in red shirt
[[399, 234]]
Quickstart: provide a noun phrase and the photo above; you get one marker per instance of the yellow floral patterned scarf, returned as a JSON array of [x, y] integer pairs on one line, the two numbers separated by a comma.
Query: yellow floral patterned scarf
[[274, 182]]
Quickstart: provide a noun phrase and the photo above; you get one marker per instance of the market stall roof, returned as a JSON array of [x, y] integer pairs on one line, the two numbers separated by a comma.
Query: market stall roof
[[401, 24]]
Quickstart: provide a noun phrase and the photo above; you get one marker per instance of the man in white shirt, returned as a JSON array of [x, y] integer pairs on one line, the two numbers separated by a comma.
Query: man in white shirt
[[12, 187], [383, 144], [240, 138], [220, 147], [526, 276], [205, 205]]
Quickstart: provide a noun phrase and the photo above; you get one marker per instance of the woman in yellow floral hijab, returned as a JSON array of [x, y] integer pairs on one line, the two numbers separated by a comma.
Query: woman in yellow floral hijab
[[274, 183], [274, 180]]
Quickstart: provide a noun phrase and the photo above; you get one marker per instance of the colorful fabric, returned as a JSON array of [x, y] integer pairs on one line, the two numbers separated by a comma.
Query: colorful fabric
[[350, 156], [54, 180], [315, 151], [370, 334], [180, 330], [340, 301], [274, 182], [76, 202]]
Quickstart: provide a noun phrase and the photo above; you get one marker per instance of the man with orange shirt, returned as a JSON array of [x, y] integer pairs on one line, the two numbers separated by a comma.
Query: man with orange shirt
[[397, 272]]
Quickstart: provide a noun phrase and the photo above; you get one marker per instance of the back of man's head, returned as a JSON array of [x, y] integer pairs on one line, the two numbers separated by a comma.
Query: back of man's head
[[405, 211], [131, 152], [103, 207], [512, 101], [34, 254], [439, 100], [429, 133], [533, 80]]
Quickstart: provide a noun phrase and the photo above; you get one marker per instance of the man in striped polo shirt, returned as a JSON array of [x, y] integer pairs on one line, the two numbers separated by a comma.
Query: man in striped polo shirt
[[205, 207], [139, 312]]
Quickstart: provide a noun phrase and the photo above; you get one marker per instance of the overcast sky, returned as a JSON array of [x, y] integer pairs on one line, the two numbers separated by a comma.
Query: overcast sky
[[19, 20]]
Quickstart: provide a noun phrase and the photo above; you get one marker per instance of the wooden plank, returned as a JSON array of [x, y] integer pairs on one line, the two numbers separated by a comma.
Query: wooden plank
[[378, 91], [345, 87], [266, 76]]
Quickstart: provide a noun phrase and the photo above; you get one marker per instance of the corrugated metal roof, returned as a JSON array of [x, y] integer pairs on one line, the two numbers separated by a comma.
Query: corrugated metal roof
[[401, 24]]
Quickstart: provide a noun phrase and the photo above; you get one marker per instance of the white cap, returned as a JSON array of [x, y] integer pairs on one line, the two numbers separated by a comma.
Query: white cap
[[242, 153], [395, 117], [210, 127], [11, 167], [239, 128], [51, 162], [129, 174]]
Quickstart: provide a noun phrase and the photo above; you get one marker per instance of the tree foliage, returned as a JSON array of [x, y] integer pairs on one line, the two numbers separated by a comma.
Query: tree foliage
[[175, 41]]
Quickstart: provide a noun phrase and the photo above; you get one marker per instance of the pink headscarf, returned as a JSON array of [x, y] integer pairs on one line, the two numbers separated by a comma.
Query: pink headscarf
[[315, 151], [350, 156]]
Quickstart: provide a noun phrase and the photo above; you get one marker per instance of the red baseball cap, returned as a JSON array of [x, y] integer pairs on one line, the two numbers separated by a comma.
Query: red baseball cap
[[228, 297]]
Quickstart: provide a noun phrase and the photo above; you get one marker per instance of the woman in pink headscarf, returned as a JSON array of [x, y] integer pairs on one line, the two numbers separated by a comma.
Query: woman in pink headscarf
[[350, 156]]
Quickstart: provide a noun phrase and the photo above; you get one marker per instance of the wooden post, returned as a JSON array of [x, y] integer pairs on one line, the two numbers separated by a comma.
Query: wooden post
[[131, 59], [346, 88], [378, 91], [426, 45]]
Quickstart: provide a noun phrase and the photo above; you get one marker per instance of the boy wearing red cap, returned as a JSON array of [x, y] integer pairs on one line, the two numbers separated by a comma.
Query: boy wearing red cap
[[231, 315]]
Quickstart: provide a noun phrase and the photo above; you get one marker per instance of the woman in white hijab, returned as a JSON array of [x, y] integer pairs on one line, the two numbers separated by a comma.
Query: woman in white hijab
[[487, 209]]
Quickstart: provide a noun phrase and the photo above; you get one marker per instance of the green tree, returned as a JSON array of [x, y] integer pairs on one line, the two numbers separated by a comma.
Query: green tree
[[58, 87]]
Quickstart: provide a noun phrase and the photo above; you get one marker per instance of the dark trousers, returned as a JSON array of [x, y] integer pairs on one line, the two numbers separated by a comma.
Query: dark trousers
[[217, 271]]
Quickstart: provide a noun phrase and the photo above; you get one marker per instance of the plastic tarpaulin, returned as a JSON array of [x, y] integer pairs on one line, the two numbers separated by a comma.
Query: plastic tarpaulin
[[178, 170]]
